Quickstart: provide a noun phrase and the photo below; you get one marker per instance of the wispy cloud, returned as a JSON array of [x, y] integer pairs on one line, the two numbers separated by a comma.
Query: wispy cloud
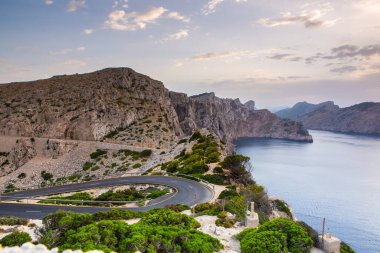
[[181, 34], [177, 16], [66, 51], [347, 52], [87, 31], [74, 5], [309, 19], [221, 55], [74, 63], [132, 21], [211, 5], [344, 69], [120, 4], [48, 2]]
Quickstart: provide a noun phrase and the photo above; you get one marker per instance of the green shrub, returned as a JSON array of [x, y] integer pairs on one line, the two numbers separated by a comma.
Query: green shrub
[[13, 221], [16, 238], [137, 165], [345, 248], [297, 239], [312, 233], [218, 170], [98, 153], [166, 217], [282, 206], [87, 166], [182, 141], [228, 194], [237, 206], [268, 241], [196, 135], [146, 153], [46, 175], [214, 179], [116, 214], [21, 176], [177, 208]]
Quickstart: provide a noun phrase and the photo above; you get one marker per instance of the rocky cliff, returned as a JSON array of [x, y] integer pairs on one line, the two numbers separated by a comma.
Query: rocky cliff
[[123, 106], [362, 118], [230, 119]]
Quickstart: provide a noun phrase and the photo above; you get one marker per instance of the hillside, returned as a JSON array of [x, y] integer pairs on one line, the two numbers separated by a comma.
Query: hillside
[[362, 118], [130, 108]]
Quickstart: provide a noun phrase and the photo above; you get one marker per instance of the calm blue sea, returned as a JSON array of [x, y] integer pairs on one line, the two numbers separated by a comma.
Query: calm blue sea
[[336, 177]]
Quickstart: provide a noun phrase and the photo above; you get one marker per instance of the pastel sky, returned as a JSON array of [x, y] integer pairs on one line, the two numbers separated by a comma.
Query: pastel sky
[[276, 52]]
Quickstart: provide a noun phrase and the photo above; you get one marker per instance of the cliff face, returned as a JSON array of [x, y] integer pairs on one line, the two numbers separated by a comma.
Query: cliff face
[[362, 118], [87, 106], [123, 106], [230, 119]]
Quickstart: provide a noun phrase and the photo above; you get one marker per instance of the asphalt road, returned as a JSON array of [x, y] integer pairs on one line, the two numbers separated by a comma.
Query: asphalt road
[[188, 192]]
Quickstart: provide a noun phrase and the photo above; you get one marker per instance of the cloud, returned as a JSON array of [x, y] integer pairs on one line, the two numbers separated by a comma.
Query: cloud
[[181, 34], [177, 16], [74, 63], [120, 4], [132, 21], [211, 5], [74, 5], [87, 31], [309, 19], [220, 55], [344, 69], [48, 2], [280, 56], [347, 52], [66, 51]]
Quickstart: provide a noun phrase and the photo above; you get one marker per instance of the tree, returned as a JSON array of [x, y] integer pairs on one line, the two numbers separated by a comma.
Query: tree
[[15, 239], [239, 167]]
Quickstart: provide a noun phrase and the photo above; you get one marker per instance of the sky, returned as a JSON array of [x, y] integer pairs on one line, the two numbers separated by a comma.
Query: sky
[[275, 52]]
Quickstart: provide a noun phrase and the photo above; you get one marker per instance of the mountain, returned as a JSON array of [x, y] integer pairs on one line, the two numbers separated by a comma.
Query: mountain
[[127, 107], [363, 118]]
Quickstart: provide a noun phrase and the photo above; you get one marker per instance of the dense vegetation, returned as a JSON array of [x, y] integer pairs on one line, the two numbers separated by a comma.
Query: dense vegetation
[[15, 238], [160, 230], [13, 221], [279, 235], [113, 197]]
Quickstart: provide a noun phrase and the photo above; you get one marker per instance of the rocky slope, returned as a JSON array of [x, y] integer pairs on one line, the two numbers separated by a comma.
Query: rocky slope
[[362, 118], [129, 108], [230, 119]]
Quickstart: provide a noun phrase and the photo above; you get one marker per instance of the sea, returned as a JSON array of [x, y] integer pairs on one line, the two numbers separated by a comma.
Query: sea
[[337, 177]]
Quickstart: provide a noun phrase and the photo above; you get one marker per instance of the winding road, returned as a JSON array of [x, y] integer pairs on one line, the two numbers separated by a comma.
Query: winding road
[[187, 192]]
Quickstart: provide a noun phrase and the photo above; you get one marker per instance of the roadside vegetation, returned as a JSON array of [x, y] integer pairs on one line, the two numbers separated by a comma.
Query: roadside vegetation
[[113, 197], [159, 230]]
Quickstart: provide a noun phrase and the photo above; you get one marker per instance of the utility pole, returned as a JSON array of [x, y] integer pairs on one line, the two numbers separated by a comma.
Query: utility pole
[[323, 230]]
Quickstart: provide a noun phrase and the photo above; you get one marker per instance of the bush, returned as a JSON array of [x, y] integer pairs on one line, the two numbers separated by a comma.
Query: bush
[[224, 221], [268, 241], [297, 239], [166, 217], [98, 153], [196, 135], [15, 239], [177, 208], [116, 214], [311, 232], [282, 206], [46, 175], [218, 170], [10, 188], [214, 179], [87, 166], [228, 194], [345, 248], [21, 176], [13, 221], [182, 141], [137, 165], [146, 153], [237, 206]]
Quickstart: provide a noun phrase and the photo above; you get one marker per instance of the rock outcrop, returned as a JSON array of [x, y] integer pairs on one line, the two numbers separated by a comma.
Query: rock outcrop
[[126, 107], [230, 119], [362, 118], [23, 151]]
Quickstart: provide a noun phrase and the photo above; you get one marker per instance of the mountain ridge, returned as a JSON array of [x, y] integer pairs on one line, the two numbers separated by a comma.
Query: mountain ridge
[[126, 106], [362, 118]]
